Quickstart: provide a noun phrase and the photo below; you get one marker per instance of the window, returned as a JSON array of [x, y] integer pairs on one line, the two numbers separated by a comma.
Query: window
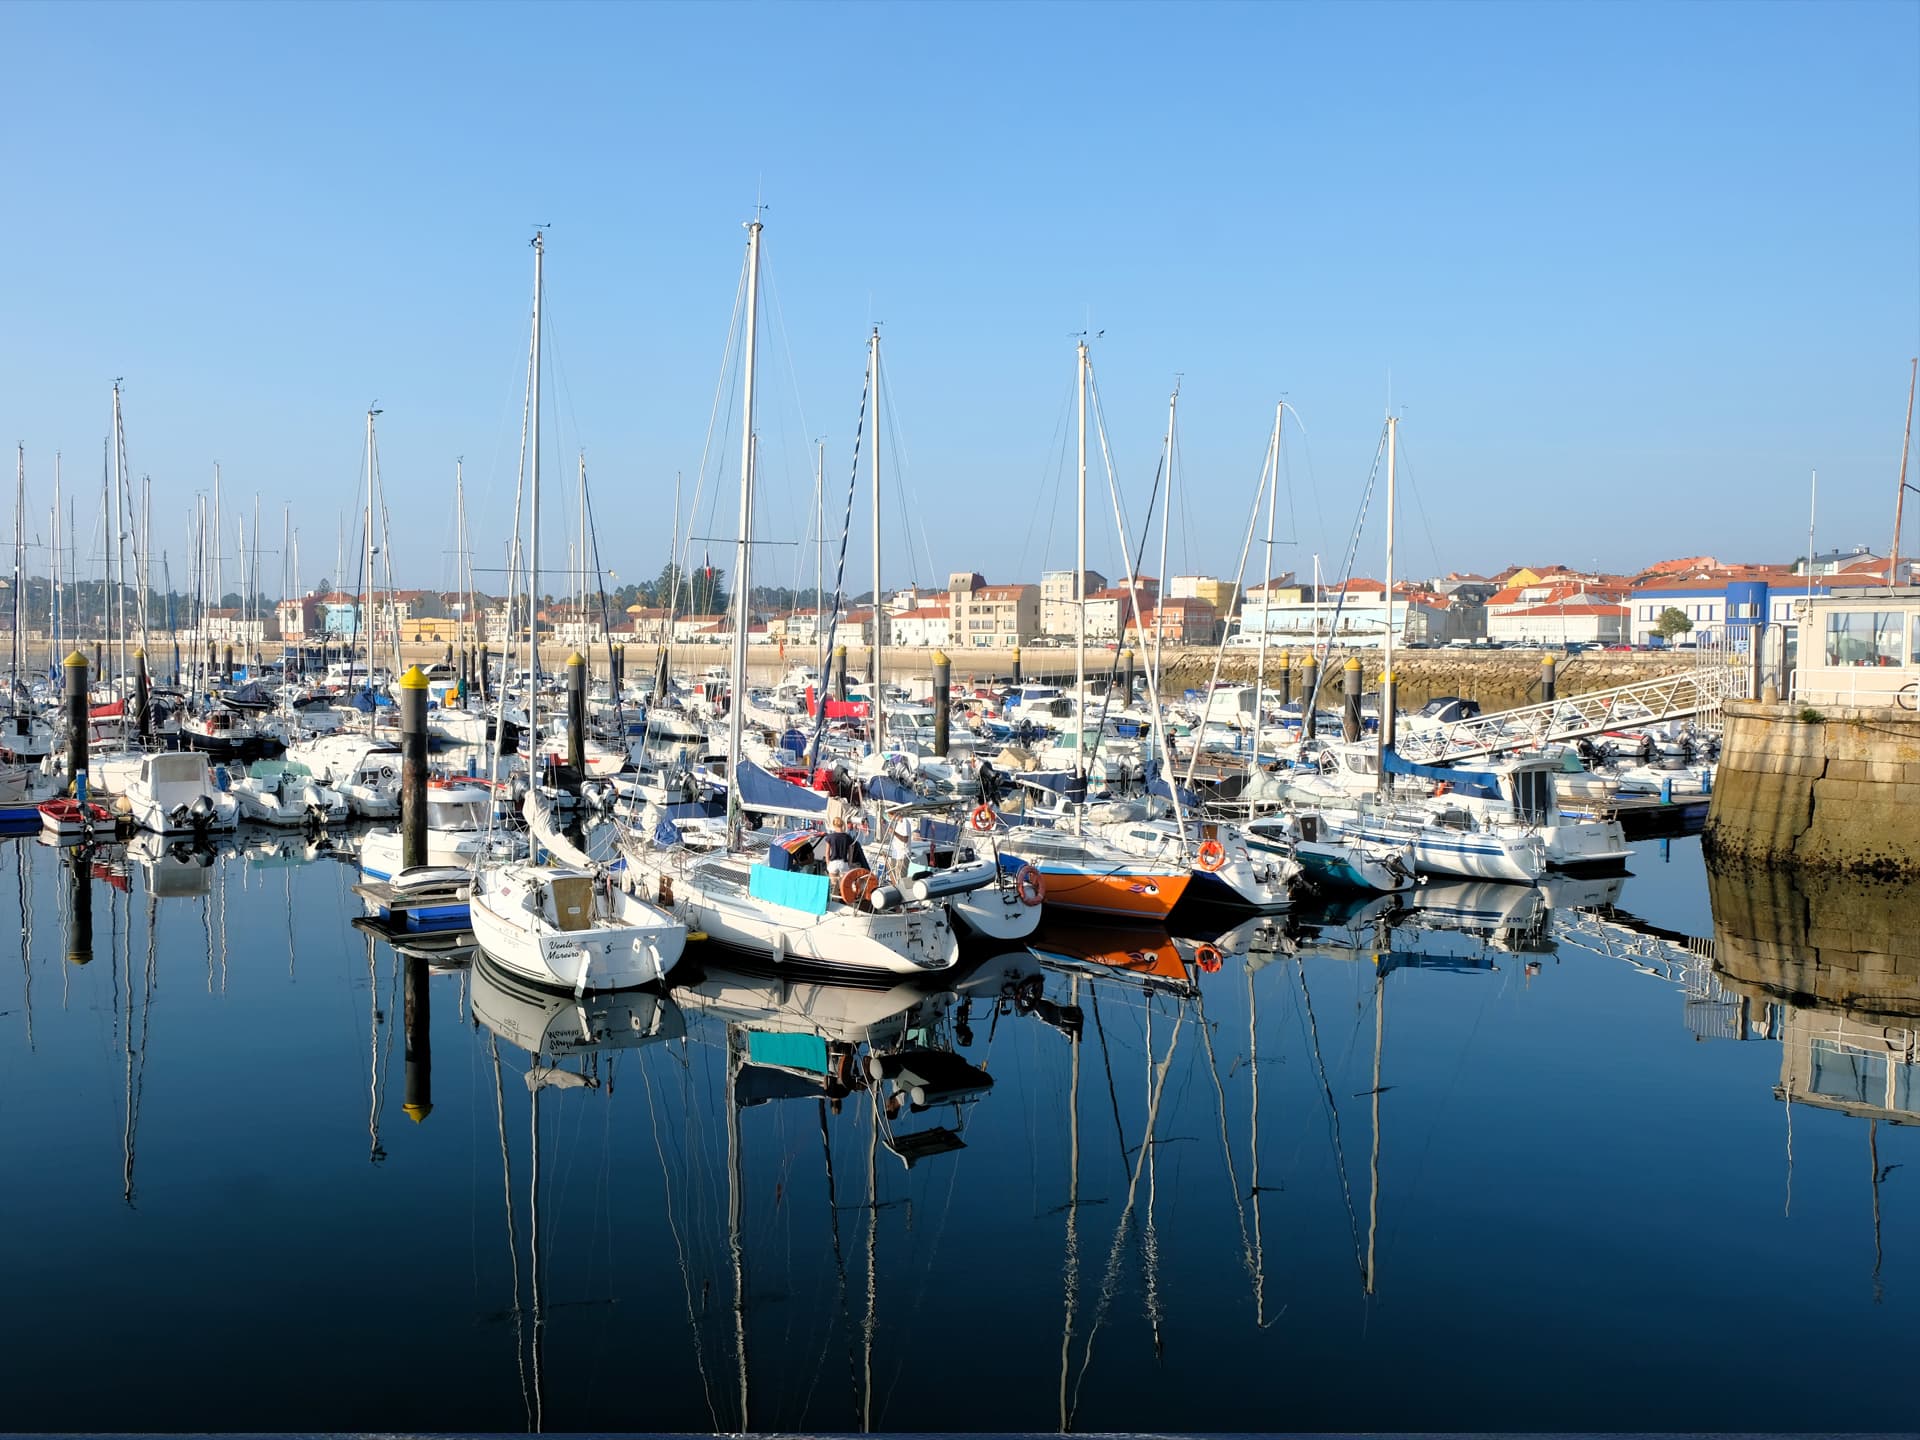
[[1865, 637], [1913, 655]]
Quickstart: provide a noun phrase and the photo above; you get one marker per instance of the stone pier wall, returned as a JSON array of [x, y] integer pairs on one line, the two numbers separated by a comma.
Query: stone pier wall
[[1828, 787]]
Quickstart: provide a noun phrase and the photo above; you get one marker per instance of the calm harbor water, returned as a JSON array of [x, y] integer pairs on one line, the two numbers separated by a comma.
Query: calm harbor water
[[1618, 1155]]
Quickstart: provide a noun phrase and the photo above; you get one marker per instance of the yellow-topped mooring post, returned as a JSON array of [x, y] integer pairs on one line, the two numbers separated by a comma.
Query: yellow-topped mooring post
[[942, 702], [1548, 680], [577, 716], [142, 696], [1350, 713], [1309, 695], [76, 677], [413, 767]]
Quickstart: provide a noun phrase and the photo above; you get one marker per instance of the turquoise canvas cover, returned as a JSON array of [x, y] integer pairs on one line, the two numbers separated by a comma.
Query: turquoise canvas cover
[[807, 893]]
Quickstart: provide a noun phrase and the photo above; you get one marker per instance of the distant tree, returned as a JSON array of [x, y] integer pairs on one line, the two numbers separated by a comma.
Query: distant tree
[[701, 590], [324, 587], [1673, 621]]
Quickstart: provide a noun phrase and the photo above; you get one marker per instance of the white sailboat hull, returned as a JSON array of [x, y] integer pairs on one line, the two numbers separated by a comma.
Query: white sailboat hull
[[628, 943]]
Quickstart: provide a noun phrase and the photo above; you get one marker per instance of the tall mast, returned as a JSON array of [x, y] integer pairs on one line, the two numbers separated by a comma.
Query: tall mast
[[819, 562], [580, 603], [19, 525], [1385, 732], [57, 573], [117, 558], [533, 553], [219, 593], [877, 708], [1270, 477], [1900, 495], [743, 548], [366, 595], [1080, 574], [1166, 513]]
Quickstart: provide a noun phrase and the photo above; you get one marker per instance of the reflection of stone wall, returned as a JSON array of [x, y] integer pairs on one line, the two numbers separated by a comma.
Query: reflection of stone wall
[[1832, 942], [1836, 788]]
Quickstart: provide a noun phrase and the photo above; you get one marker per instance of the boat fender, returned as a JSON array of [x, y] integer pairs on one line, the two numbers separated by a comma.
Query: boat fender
[[918, 890], [1031, 884], [884, 898], [1212, 856], [779, 946]]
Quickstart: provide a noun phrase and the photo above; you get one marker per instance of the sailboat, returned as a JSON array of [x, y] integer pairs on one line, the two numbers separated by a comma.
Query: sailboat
[[750, 898], [564, 925], [1081, 871]]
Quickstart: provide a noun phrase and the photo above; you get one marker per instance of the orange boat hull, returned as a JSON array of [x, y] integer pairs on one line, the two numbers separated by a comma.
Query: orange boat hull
[[1127, 897]]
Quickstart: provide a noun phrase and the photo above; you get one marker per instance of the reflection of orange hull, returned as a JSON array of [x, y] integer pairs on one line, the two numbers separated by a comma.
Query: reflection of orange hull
[[1143, 953], [1130, 897]]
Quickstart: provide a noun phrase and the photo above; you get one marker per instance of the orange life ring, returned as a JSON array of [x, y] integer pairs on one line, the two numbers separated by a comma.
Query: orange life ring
[[1031, 884], [983, 819], [856, 885], [1208, 959], [1212, 856], [1444, 787]]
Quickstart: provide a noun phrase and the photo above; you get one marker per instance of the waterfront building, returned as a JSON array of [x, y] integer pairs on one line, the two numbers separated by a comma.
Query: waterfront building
[[993, 617], [1057, 599], [1563, 622]]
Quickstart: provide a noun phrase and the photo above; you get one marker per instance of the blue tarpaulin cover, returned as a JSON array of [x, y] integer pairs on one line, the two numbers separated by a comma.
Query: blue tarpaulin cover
[[769, 793], [1468, 782], [788, 888]]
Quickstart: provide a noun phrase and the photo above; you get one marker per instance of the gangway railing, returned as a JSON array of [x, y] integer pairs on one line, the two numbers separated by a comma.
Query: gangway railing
[[1691, 694]]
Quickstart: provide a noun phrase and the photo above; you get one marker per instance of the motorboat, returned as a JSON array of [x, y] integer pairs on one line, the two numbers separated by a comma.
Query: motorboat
[[567, 927], [173, 793], [284, 793]]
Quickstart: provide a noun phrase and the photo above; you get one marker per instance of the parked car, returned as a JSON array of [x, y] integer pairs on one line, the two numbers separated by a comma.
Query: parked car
[[1612, 648]]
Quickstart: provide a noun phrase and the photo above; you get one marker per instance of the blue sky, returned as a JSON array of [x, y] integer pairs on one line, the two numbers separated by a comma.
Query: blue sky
[[1633, 270]]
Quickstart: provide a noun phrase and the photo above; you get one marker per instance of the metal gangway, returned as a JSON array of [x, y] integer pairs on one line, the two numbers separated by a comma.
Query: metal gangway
[[1695, 694]]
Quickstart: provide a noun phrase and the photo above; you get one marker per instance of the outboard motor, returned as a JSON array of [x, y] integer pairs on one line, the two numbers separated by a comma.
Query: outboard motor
[[200, 812]]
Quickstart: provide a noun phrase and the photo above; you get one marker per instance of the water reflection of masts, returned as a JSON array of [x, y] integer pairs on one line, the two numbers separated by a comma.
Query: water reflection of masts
[[873, 1261], [1253, 1161], [839, 1255], [1333, 1112], [1156, 1087], [26, 932], [1226, 1144], [533, 1254], [1379, 1035], [736, 1199], [513, 1242], [1070, 1279]]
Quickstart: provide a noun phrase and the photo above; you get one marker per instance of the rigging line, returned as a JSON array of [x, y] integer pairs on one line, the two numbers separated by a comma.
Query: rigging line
[[840, 577], [1052, 507], [902, 469], [721, 385], [1353, 546], [1419, 503], [1239, 587]]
